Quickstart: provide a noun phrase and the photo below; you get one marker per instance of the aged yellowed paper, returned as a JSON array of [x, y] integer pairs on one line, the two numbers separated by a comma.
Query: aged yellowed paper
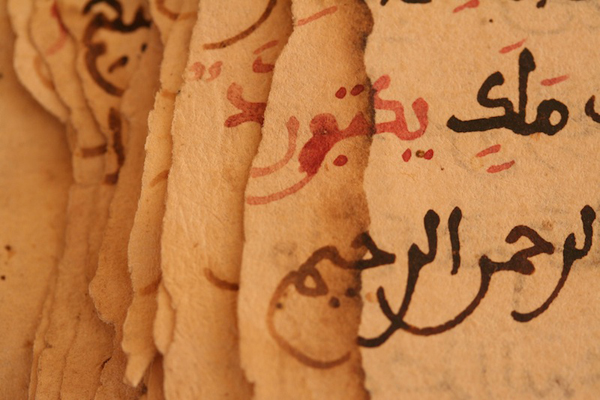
[[35, 176], [482, 188], [112, 278], [68, 307], [299, 199], [144, 243], [305, 211], [216, 131]]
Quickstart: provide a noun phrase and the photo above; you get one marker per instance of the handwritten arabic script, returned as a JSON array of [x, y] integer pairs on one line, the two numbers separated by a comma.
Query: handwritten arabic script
[[516, 120], [308, 281]]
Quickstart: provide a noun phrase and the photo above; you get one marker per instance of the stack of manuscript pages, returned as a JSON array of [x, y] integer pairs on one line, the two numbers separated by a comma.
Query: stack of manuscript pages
[[299, 199]]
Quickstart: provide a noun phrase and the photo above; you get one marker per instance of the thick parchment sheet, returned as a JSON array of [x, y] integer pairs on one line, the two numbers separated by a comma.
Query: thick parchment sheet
[[89, 340], [34, 160], [59, 53], [216, 132], [110, 37], [75, 332], [144, 242], [305, 211], [482, 184], [112, 279], [28, 62], [70, 310]]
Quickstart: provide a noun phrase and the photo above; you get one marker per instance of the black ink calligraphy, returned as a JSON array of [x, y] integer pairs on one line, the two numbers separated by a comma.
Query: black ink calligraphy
[[518, 263], [590, 109], [514, 120], [384, 2], [308, 281], [570, 255], [96, 49]]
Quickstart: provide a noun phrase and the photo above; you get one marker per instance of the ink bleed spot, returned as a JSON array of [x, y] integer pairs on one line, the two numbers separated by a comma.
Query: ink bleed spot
[[279, 306], [341, 93], [334, 302], [350, 292], [406, 155], [356, 90], [144, 389], [340, 160]]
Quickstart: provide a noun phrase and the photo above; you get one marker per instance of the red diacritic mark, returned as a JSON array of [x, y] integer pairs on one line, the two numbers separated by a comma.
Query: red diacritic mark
[[495, 168], [356, 90], [55, 13], [406, 155], [62, 38], [340, 160], [468, 4], [341, 93], [490, 150], [198, 69], [554, 81], [261, 68], [251, 112], [316, 16], [214, 71], [399, 127], [266, 46], [258, 65], [260, 200], [428, 154], [511, 47], [498, 168], [292, 126]]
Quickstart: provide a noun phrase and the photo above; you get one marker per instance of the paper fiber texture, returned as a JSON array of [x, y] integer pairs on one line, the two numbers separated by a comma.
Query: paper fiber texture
[[305, 211], [216, 131], [482, 187]]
